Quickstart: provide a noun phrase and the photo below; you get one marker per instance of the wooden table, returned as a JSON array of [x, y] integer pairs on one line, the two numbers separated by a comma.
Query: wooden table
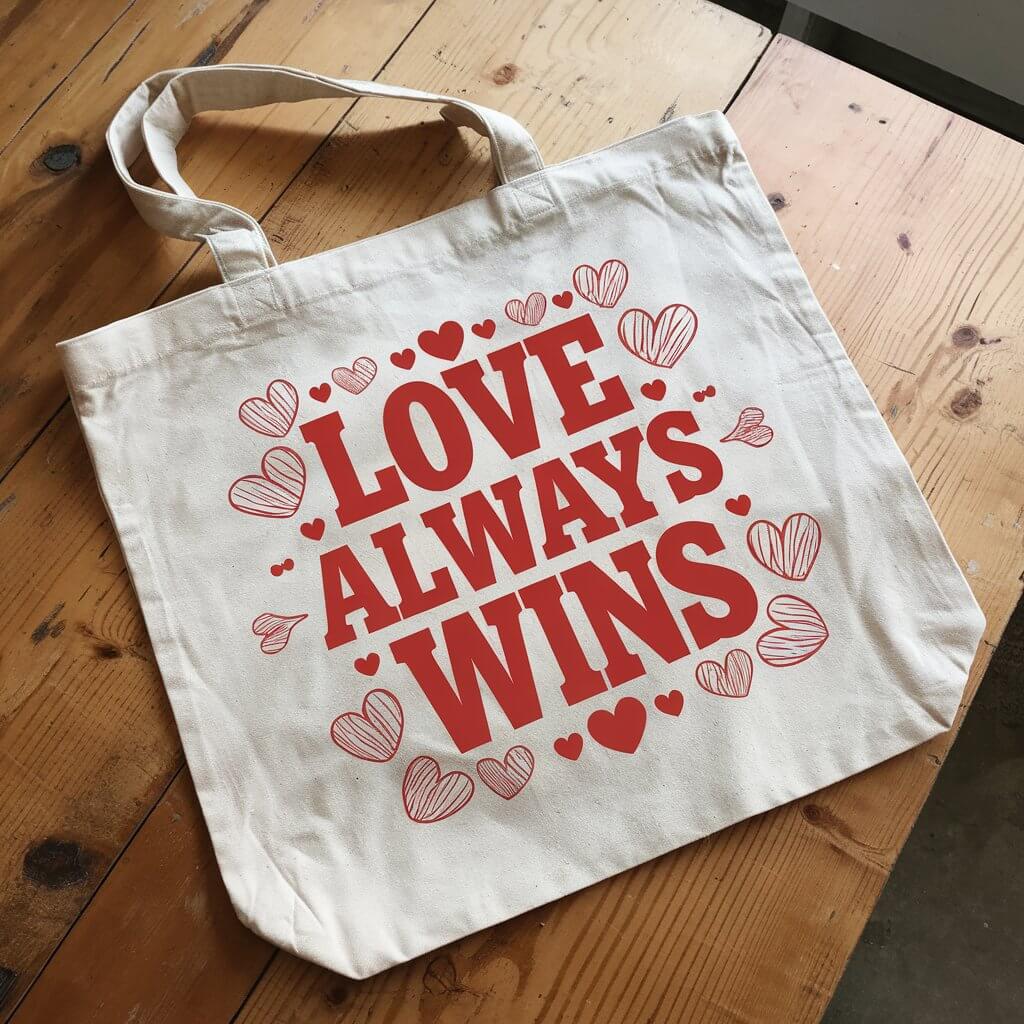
[[909, 222]]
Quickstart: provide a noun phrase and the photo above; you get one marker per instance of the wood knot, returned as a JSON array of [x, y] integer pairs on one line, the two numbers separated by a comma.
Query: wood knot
[[59, 159], [506, 74], [966, 402], [57, 863], [337, 994], [903, 241], [439, 977], [777, 201], [966, 336], [855, 107]]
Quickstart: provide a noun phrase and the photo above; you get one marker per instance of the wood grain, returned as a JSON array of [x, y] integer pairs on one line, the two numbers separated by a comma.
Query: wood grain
[[564, 60], [86, 739]]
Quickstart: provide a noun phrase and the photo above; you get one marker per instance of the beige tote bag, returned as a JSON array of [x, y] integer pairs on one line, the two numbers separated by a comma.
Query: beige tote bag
[[505, 551]]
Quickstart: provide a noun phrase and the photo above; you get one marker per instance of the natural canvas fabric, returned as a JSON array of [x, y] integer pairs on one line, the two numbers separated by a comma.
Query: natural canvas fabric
[[507, 550]]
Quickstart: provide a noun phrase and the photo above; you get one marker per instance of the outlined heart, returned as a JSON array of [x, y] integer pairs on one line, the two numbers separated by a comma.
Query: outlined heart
[[276, 492], [375, 734], [790, 552], [670, 703], [355, 379], [275, 630], [528, 313], [429, 796], [661, 341], [750, 428], [621, 729], [570, 747], [654, 390], [507, 778], [602, 287], [445, 342], [800, 635], [404, 359], [731, 681], [368, 665], [485, 329], [274, 415]]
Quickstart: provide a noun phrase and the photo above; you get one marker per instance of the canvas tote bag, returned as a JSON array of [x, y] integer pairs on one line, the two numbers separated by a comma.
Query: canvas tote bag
[[507, 550]]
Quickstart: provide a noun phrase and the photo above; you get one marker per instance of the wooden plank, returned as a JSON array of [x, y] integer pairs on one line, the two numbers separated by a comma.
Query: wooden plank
[[78, 254], [86, 740], [572, 70]]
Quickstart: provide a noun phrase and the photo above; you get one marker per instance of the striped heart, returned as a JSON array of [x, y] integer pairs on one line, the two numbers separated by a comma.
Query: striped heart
[[275, 630], [507, 779], [789, 552], [801, 634], [731, 681], [273, 415], [661, 341], [355, 378], [375, 734], [430, 796], [528, 313], [276, 492], [602, 287]]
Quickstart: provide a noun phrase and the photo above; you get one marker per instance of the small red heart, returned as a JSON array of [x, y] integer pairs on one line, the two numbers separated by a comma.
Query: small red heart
[[570, 747], [276, 570], [321, 392], [738, 506], [698, 396], [709, 391], [484, 330], [404, 359], [368, 666], [621, 729], [654, 390], [313, 530], [670, 703], [444, 343], [563, 300], [288, 565]]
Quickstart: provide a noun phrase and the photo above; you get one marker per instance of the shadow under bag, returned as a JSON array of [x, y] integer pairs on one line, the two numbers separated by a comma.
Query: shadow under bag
[[497, 554]]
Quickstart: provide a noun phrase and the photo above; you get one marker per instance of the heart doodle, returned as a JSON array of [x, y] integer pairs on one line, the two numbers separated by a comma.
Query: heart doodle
[[276, 492], [621, 729], [273, 415], [404, 359], [444, 343], [507, 778], [367, 666], [750, 429], [484, 330], [321, 392], [731, 681], [790, 552], [654, 390], [570, 747], [376, 733], [670, 703], [282, 567], [563, 300], [356, 378], [430, 796], [275, 630], [661, 341], [602, 287], [801, 634], [528, 313], [314, 529], [738, 506]]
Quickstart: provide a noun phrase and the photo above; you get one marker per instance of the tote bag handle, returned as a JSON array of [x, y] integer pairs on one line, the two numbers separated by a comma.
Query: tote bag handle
[[157, 114]]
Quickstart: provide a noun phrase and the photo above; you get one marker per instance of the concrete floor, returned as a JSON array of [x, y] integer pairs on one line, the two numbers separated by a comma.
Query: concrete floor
[[945, 944]]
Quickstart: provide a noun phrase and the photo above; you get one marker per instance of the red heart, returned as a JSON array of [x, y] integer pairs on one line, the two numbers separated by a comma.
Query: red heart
[[404, 359], [275, 630], [357, 378], [273, 415], [430, 796], [375, 734], [790, 552], [732, 681], [444, 343], [277, 492], [660, 342], [750, 428], [321, 392], [738, 506], [570, 747], [563, 300], [484, 330], [313, 530], [282, 567], [368, 666], [507, 779], [602, 287], [528, 313], [670, 703], [801, 634], [654, 390], [621, 729]]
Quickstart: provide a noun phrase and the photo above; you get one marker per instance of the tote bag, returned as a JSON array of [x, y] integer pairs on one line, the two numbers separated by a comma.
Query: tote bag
[[500, 553]]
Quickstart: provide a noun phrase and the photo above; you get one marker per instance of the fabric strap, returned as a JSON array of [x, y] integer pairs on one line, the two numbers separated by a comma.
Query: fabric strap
[[157, 114]]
